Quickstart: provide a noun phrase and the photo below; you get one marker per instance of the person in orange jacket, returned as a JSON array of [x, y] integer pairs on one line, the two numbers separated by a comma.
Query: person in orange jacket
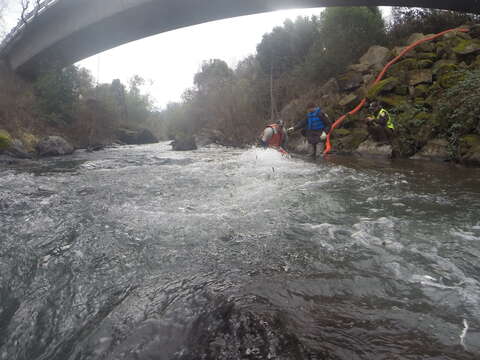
[[274, 135]]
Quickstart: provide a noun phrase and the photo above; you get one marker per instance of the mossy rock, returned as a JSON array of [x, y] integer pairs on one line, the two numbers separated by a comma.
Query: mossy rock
[[407, 64], [352, 141], [469, 141], [425, 64], [450, 79], [340, 133], [5, 140], [443, 66], [392, 100], [385, 85], [421, 90], [401, 90], [427, 56], [466, 47]]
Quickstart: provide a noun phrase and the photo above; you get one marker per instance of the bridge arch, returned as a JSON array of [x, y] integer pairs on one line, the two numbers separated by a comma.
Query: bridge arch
[[66, 31]]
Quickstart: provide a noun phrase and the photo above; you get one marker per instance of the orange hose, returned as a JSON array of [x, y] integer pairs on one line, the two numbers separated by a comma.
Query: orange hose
[[380, 76]]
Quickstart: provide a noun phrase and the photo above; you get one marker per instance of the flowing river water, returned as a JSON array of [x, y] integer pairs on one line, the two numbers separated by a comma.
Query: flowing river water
[[144, 253]]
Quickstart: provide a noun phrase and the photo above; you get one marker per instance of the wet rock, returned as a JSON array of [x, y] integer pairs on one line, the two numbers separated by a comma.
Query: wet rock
[[54, 146], [348, 141], [371, 148], [436, 149], [376, 57], [420, 76], [136, 136], [184, 143]]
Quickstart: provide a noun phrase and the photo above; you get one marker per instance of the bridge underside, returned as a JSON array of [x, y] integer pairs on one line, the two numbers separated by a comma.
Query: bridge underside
[[73, 30]]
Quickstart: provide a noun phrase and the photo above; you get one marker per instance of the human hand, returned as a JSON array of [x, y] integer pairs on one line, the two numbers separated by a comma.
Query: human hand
[[323, 137]]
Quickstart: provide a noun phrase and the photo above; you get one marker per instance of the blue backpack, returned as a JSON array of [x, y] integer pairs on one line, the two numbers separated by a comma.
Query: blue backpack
[[315, 121]]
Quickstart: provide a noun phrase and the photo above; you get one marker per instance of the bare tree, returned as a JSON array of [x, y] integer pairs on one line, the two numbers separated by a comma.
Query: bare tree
[[27, 11]]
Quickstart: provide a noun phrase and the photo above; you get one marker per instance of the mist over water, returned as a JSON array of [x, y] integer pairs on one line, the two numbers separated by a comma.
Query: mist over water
[[144, 253]]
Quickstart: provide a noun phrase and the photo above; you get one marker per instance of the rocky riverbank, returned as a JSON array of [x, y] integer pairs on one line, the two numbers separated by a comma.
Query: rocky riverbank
[[432, 92], [28, 146]]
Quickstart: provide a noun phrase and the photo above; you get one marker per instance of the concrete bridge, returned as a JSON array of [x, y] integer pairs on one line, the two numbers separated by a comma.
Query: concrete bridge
[[66, 31]]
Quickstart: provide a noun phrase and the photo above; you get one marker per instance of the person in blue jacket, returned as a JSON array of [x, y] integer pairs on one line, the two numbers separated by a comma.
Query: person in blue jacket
[[315, 126]]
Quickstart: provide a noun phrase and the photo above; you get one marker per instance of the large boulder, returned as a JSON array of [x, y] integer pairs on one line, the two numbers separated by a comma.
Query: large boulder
[[184, 143], [376, 57], [135, 136], [436, 149], [54, 146]]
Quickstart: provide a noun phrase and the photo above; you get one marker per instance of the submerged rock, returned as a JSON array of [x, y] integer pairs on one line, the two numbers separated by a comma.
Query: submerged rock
[[54, 146]]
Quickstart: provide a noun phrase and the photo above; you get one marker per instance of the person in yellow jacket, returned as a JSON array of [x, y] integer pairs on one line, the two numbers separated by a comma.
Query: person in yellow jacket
[[381, 126]]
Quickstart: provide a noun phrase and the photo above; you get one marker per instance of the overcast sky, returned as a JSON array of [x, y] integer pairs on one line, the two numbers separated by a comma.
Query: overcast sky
[[168, 61]]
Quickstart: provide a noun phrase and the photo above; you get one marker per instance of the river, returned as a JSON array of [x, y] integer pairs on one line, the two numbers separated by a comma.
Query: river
[[139, 252]]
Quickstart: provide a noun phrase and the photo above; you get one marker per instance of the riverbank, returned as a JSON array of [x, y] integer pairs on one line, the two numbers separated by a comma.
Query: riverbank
[[431, 94]]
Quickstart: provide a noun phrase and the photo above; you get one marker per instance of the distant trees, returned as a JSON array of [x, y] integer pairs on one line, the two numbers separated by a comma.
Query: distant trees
[[406, 21], [344, 35]]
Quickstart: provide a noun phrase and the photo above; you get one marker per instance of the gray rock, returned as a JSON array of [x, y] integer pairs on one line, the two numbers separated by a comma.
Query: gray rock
[[436, 149], [416, 77], [54, 146], [376, 56]]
